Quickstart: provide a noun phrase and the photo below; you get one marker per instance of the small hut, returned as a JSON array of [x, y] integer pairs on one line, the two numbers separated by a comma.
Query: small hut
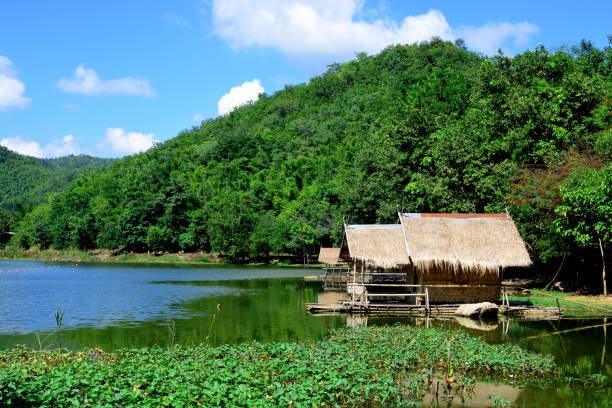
[[380, 266], [374, 246], [329, 256], [468, 251], [335, 272]]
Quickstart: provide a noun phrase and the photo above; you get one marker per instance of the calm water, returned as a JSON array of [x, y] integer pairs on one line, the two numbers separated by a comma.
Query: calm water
[[116, 306]]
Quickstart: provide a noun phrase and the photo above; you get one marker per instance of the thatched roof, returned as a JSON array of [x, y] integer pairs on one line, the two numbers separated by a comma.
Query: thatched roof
[[380, 245], [476, 242], [329, 256]]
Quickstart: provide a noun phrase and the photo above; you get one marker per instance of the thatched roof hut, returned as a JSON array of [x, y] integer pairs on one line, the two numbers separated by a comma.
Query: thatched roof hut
[[329, 256], [480, 243], [378, 245], [467, 252]]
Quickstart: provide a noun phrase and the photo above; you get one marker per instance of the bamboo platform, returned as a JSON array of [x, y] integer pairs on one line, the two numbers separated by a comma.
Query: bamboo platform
[[520, 312]]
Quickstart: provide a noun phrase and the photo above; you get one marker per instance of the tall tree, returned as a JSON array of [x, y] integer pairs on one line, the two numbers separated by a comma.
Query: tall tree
[[585, 214]]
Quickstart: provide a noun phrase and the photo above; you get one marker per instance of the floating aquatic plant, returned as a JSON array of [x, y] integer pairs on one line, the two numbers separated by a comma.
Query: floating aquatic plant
[[378, 366]]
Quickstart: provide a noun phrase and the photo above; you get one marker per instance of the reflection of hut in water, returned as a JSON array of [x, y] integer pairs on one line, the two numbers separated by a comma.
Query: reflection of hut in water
[[454, 258], [328, 297]]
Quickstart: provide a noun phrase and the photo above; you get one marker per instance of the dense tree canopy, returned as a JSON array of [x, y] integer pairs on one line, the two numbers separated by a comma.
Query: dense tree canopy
[[25, 180], [427, 127]]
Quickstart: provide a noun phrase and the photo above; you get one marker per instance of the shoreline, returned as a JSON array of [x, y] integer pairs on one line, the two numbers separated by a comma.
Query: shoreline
[[105, 256]]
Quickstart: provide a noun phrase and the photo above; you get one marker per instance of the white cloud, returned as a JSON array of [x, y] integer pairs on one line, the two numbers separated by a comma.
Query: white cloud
[[197, 118], [64, 147], [490, 37], [122, 142], [334, 27], [57, 148], [11, 88], [21, 146], [239, 95], [86, 81]]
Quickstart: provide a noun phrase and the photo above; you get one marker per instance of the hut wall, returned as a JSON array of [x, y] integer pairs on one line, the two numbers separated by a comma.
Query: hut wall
[[441, 276]]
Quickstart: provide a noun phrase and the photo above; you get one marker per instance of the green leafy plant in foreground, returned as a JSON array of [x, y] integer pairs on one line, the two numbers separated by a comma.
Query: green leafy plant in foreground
[[380, 366]]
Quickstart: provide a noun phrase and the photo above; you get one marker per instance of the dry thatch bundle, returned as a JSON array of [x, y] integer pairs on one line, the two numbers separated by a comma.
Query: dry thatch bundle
[[478, 243], [379, 245], [329, 256]]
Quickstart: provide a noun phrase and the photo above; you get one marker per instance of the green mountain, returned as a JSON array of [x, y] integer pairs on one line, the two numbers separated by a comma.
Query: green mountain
[[425, 128], [25, 180]]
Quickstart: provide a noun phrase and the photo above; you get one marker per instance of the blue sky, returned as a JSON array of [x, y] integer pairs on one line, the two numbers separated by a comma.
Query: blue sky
[[111, 78]]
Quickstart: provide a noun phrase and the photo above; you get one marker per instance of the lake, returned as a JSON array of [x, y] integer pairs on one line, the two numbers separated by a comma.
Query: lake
[[112, 306]]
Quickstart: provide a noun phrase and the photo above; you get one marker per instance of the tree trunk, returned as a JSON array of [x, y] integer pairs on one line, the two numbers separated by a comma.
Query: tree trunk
[[603, 273]]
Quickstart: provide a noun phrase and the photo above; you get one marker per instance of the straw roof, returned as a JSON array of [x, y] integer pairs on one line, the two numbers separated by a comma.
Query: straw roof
[[481, 243], [380, 245], [329, 256]]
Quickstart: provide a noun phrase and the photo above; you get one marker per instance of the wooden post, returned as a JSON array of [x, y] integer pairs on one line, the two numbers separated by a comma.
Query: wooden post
[[420, 282], [362, 272], [558, 307], [427, 300]]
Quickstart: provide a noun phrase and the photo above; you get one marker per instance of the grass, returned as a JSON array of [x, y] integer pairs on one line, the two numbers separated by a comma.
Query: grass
[[376, 366], [587, 304]]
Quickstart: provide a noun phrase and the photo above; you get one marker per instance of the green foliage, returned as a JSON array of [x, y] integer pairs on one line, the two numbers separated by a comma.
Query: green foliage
[[586, 207], [28, 181], [158, 237], [362, 367], [25, 180], [5, 221], [430, 127], [603, 144], [585, 213]]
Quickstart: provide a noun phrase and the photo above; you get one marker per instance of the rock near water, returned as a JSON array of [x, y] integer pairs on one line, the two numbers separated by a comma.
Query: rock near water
[[478, 309]]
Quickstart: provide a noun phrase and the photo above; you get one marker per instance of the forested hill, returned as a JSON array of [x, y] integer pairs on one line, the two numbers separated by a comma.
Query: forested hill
[[428, 127], [25, 180]]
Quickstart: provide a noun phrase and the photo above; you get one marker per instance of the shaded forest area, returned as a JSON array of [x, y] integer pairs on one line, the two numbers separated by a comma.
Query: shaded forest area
[[431, 127]]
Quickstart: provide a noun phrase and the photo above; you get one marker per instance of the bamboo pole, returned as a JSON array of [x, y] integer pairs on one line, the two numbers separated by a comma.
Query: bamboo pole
[[556, 274], [567, 331]]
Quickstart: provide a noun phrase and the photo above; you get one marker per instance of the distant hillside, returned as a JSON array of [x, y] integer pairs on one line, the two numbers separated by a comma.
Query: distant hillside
[[430, 127], [25, 180]]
